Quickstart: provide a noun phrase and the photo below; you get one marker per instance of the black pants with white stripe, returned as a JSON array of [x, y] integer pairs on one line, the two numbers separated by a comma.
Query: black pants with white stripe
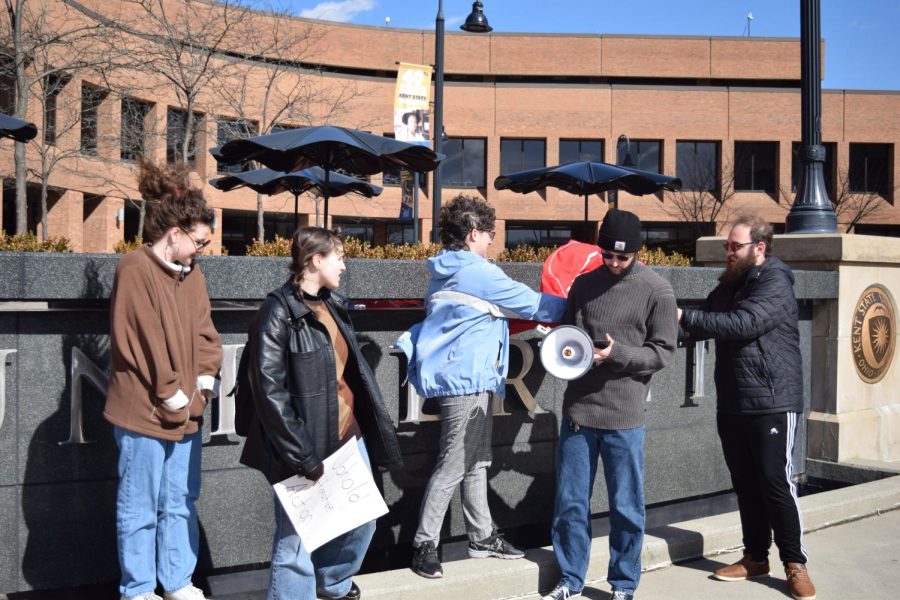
[[758, 454]]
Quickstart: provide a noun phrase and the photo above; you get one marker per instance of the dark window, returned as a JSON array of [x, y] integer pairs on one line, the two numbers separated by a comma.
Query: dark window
[[278, 127], [642, 154], [538, 234], [465, 163], [829, 167], [234, 129], [697, 165], [176, 127], [53, 85], [522, 155], [754, 166], [7, 86], [364, 232], [391, 175], [870, 168], [239, 228], [134, 129], [399, 233], [670, 237], [580, 150], [91, 98]]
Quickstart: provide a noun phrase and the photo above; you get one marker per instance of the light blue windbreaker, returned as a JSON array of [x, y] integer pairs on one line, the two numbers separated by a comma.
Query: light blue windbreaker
[[461, 348]]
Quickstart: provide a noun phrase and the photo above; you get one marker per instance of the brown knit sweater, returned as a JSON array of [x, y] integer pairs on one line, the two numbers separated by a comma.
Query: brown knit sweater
[[161, 340], [639, 313]]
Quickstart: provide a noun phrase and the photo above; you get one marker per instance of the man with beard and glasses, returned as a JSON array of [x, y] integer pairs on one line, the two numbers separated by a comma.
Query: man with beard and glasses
[[629, 310], [752, 314]]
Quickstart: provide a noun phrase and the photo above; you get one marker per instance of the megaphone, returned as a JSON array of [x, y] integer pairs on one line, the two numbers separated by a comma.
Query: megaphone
[[567, 352]]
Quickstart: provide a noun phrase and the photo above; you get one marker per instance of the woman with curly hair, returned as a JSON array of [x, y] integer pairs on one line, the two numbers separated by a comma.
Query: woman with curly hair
[[165, 356]]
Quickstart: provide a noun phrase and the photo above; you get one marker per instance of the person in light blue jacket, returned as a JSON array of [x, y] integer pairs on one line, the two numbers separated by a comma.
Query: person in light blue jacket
[[459, 354]]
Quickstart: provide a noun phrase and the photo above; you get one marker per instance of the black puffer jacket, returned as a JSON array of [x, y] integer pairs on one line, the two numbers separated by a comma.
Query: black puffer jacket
[[294, 383], [758, 366]]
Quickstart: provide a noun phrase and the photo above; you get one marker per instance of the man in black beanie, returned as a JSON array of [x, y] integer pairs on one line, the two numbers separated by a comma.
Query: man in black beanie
[[630, 311]]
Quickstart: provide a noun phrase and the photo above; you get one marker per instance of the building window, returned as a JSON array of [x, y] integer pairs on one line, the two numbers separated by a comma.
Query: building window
[[176, 127], [828, 167], [234, 129], [538, 234], [644, 154], [870, 169], [53, 85], [390, 176], [571, 151], [399, 233], [134, 129], [670, 237], [522, 155], [91, 98], [464, 166], [754, 166], [7, 85], [239, 228], [697, 165], [364, 232]]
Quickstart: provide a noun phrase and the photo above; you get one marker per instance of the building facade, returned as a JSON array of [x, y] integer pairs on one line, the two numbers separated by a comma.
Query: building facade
[[722, 113]]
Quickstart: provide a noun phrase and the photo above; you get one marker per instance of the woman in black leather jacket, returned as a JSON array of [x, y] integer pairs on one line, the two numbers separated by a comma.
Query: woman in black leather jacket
[[313, 391]]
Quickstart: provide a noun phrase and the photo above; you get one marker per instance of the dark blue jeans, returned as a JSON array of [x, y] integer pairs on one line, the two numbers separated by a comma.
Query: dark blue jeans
[[622, 452]]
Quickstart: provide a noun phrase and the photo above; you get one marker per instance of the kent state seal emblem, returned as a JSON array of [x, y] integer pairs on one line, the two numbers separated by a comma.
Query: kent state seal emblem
[[873, 333]]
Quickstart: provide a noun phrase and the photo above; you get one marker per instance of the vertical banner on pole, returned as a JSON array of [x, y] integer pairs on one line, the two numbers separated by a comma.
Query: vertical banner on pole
[[411, 120]]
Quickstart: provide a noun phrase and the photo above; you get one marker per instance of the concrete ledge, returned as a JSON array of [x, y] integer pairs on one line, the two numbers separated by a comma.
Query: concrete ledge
[[488, 579]]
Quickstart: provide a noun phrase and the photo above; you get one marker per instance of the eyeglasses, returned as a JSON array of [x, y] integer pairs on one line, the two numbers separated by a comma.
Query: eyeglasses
[[491, 233], [198, 244], [619, 257], [735, 246]]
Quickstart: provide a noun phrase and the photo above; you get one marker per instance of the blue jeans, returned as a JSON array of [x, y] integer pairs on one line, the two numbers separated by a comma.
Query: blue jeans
[[622, 452], [156, 522], [297, 575]]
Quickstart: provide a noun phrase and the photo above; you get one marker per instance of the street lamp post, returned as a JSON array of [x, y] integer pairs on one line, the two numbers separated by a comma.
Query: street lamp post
[[626, 162], [811, 211], [475, 23]]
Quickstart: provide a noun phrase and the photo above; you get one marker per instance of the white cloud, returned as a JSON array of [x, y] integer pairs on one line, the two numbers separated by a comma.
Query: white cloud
[[342, 11]]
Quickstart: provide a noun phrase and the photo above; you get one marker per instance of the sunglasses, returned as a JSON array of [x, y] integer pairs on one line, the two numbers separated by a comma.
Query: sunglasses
[[735, 246], [198, 244], [491, 233], [619, 257]]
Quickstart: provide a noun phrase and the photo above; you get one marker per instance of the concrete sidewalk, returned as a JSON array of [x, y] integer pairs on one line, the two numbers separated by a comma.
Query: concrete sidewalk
[[868, 549]]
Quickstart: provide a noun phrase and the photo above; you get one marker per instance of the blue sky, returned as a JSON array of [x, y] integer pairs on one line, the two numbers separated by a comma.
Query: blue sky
[[862, 37]]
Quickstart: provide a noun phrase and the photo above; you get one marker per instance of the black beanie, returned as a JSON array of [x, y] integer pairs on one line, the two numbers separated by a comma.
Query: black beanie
[[620, 231]]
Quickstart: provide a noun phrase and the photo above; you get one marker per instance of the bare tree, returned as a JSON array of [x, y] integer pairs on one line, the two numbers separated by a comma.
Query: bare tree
[[281, 88], [45, 41], [704, 200]]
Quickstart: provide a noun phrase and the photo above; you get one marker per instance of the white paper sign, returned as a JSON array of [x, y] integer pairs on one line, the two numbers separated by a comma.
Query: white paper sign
[[344, 498]]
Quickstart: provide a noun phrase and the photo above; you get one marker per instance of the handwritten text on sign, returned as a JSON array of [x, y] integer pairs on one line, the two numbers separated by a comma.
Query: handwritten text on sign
[[344, 498]]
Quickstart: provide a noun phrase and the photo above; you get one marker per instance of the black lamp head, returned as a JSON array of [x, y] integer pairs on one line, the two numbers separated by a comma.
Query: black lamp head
[[476, 22]]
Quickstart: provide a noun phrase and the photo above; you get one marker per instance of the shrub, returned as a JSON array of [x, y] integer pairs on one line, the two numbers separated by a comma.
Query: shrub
[[658, 258], [278, 247], [526, 254], [28, 242], [123, 246]]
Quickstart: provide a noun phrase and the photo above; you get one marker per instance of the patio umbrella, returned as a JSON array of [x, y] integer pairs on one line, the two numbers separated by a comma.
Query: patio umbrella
[[586, 178], [270, 182], [331, 148], [17, 129]]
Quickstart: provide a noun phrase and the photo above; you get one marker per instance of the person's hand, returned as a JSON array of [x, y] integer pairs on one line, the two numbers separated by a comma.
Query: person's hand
[[601, 354], [680, 313], [316, 474]]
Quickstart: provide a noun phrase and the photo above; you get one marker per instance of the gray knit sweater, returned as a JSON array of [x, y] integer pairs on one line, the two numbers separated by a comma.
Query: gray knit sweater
[[639, 313]]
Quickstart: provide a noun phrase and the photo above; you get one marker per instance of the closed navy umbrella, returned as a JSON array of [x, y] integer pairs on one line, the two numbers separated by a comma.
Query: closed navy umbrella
[[331, 148], [586, 178], [17, 129], [271, 182]]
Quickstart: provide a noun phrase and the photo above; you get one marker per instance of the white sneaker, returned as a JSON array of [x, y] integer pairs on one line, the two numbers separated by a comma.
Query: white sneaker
[[147, 596], [188, 592]]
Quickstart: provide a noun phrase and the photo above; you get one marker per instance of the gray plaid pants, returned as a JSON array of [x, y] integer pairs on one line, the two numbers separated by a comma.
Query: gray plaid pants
[[464, 456]]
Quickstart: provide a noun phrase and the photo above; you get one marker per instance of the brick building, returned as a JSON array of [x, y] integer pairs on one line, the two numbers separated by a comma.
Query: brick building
[[723, 113]]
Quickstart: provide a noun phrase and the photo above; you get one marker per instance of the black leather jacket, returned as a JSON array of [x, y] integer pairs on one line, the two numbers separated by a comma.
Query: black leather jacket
[[294, 383], [754, 323]]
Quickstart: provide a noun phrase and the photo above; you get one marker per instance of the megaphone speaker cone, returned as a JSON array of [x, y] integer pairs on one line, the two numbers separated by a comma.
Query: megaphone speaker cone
[[567, 352]]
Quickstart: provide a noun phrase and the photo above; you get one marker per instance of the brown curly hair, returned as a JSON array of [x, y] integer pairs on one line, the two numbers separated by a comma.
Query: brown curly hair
[[171, 201]]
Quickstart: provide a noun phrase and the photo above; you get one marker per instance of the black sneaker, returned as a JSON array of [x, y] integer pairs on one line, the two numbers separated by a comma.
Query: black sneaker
[[561, 592], [353, 594], [620, 595], [425, 561], [494, 546]]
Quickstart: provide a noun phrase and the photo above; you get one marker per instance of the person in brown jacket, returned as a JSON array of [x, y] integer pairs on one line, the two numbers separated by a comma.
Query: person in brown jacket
[[165, 356]]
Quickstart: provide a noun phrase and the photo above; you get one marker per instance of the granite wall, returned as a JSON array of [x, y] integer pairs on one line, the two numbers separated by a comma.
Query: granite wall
[[57, 471]]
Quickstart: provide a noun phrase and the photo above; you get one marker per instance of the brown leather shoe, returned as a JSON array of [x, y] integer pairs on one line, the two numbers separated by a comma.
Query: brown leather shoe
[[742, 569], [799, 583]]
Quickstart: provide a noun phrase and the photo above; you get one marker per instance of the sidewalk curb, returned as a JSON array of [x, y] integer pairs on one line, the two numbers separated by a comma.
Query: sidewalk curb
[[474, 579]]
